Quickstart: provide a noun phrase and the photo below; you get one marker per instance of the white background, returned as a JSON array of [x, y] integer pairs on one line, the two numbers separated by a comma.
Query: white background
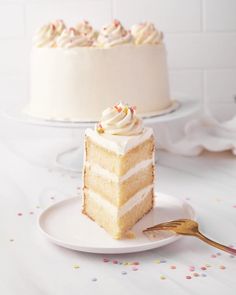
[[200, 36]]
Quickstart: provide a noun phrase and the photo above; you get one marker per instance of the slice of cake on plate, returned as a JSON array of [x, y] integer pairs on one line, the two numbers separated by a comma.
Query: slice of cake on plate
[[118, 170]]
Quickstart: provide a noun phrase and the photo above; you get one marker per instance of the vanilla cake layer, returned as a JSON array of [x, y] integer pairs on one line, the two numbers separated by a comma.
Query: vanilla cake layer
[[118, 190], [78, 83], [117, 221], [118, 164]]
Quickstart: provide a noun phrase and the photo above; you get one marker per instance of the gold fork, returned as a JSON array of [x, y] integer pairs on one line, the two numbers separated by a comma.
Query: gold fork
[[188, 227]]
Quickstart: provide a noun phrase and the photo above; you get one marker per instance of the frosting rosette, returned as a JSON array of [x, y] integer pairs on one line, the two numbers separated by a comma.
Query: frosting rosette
[[113, 35], [120, 120], [59, 26], [85, 29], [71, 38], [146, 33], [46, 36]]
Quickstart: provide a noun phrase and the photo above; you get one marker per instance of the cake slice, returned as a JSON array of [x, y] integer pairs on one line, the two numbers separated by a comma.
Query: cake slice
[[118, 171]]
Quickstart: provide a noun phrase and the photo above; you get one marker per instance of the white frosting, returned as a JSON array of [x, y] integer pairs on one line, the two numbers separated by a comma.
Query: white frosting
[[112, 35], [98, 170], [46, 36], [66, 83], [84, 28], [114, 211], [118, 144], [71, 38], [120, 120], [146, 33]]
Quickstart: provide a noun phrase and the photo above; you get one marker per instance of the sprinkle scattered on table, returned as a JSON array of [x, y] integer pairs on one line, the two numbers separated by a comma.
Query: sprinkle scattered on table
[[222, 267], [19, 214], [11, 240], [76, 266], [31, 212], [94, 279], [173, 267], [162, 277], [188, 277], [124, 272]]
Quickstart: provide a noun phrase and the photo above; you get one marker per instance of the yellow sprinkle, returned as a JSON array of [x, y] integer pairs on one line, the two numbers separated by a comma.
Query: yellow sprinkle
[[157, 261], [162, 277], [76, 266]]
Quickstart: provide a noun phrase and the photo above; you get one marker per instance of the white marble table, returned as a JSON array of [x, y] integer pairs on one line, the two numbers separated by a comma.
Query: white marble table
[[31, 265]]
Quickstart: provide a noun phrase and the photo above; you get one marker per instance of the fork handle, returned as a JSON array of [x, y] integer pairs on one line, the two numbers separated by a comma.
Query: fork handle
[[215, 244]]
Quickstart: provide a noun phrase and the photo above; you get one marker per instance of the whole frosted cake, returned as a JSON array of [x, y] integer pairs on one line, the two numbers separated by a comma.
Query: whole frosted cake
[[118, 170], [76, 72]]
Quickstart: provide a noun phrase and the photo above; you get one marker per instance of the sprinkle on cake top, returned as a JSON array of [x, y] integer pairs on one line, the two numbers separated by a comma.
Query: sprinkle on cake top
[[121, 119], [55, 33]]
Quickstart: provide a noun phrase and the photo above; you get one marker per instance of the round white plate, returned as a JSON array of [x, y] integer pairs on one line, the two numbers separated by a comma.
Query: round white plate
[[65, 225]]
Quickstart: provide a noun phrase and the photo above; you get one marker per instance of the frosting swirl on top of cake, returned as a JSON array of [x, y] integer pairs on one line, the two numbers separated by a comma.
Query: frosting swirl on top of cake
[[46, 36], [59, 26], [84, 28], [112, 35], [120, 120], [146, 33], [72, 38]]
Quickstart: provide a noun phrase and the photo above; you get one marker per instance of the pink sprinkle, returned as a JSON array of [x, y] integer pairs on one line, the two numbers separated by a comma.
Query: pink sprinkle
[[234, 206], [203, 268], [173, 267], [31, 212], [136, 263], [134, 268], [213, 256], [188, 277], [115, 261], [106, 260], [222, 267], [191, 268], [19, 214]]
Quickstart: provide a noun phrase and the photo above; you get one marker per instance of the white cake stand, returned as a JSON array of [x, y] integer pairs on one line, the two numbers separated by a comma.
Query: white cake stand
[[71, 160]]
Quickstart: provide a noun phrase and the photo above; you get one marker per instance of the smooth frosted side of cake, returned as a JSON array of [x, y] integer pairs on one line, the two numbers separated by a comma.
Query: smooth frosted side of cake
[[66, 83]]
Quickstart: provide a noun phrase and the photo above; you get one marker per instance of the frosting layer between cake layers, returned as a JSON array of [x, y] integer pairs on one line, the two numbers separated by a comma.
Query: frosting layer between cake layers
[[114, 211], [78, 83]]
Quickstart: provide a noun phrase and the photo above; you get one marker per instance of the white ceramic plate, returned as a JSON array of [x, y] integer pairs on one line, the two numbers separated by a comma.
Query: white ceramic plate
[[65, 225]]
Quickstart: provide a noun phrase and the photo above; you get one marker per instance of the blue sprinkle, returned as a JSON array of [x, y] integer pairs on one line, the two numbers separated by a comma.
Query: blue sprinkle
[[124, 273], [163, 261], [203, 275], [94, 279]]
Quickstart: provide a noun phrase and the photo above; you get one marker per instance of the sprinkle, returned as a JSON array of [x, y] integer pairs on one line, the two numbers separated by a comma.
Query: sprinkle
[[37, 207], [195, 274], [218, 253], [188, 277], [157, 261], [173, 267], [125, 263], [76, 266], [115, 261], [163, 261], [31, 212], [124, 272], [203, 275], [162, 277], [208, 265], [94, 279], [52, 198], [203, 268], [222, 267], [136, 263], [19, 214], [231, 256], [234, 206], [213, 256], [187, 199], [11, 240], [106, 260], [191, 268], [134, 268]]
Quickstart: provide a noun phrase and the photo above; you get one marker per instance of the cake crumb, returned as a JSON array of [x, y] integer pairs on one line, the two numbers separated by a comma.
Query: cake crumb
[[130, 235]]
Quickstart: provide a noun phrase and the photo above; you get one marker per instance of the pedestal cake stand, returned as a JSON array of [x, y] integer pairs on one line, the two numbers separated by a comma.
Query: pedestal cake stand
[[71, 159]]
